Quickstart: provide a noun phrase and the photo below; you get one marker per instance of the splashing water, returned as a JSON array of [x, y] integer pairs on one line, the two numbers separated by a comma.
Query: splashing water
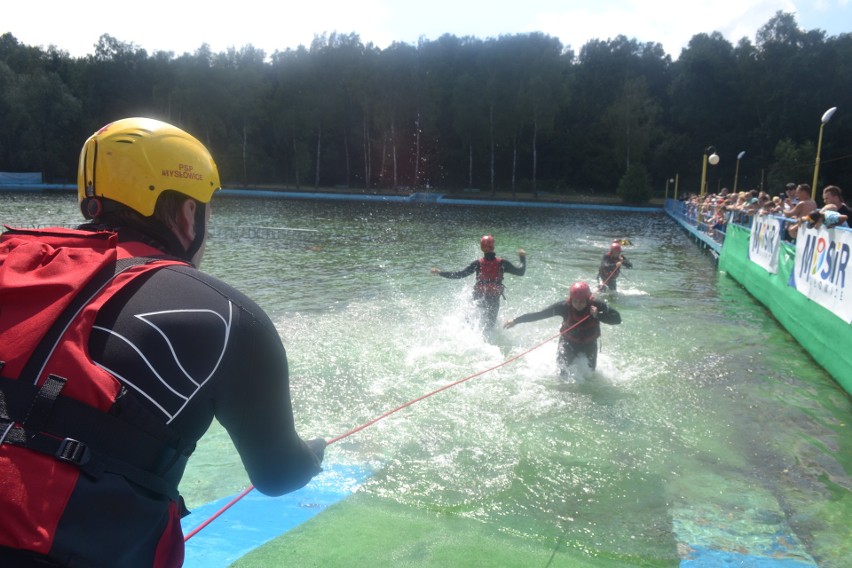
[[704, 425]]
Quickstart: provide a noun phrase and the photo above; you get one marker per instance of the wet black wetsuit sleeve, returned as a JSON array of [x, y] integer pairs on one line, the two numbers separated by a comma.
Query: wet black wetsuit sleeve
[[192, 349], [607, 314], [558, 309], [516, 270], [471, 268], [607, 267]]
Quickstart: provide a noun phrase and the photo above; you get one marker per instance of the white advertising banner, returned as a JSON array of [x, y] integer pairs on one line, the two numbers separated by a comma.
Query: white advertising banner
[[823, 272], [764, 242]]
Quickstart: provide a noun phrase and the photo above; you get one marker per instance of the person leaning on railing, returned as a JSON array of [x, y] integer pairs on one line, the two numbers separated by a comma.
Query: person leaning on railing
[[833, 195], [827, 216], [773, 207], [762, 201], [804, 206]]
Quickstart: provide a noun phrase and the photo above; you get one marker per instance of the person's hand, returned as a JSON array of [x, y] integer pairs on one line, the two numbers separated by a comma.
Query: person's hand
[[434, 271], [522, 252], [593, 311], [509, 324], [317, 446]]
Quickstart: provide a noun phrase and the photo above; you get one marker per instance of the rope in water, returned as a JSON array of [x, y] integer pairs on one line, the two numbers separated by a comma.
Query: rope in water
[[603, 284], [369, 423]]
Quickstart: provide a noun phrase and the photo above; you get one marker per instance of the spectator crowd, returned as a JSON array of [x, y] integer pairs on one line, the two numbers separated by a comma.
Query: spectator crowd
[[712, 212]]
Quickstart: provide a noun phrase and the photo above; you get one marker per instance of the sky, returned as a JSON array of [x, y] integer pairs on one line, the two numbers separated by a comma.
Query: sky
[[182, 26]]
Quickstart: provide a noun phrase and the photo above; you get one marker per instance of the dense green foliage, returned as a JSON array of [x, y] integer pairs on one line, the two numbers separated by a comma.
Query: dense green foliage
[[513, 114], [635, 187]]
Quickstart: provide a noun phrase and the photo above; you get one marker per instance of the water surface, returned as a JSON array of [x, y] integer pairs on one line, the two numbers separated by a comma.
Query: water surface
[[704, 425]]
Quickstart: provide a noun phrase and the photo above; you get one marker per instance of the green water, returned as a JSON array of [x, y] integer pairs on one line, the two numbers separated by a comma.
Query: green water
[[705, 424]]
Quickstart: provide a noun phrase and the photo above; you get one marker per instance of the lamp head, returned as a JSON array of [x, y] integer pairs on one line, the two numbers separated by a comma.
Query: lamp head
[[828, 114]]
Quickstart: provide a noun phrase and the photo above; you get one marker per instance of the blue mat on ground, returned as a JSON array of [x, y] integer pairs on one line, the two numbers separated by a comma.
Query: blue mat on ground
[[256, 519], [708, 558]]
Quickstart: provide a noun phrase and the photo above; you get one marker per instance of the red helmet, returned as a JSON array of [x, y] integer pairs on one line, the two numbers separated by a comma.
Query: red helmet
[[580, 291], [486, 243], [615, 247]]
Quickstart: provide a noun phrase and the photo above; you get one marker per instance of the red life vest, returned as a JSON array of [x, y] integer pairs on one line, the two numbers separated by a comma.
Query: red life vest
[[57, 405], [489, 277], [588, 329], [608, 269]]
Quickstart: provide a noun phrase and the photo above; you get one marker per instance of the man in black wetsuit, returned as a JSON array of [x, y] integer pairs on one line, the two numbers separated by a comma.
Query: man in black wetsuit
[[581, 316], [611, 266], [489, 279], [141, 351]]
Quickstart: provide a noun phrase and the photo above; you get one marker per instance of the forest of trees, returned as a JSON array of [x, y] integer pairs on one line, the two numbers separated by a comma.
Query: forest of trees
[[519, 113]]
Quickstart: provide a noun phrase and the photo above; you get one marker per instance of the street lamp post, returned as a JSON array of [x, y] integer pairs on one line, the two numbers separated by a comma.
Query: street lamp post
[[711, 157], [737, 170], [825, 118], [668, 181]]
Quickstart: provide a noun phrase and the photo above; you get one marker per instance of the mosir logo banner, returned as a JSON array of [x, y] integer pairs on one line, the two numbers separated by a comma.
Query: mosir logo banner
[[764, 243], [823, 272]]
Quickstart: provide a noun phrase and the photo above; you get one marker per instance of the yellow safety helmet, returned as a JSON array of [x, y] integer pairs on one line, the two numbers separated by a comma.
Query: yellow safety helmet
[[134, 160]]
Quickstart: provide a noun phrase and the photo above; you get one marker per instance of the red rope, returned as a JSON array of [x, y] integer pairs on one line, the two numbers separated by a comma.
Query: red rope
[[247, 490], [611, 274], [215, 515]]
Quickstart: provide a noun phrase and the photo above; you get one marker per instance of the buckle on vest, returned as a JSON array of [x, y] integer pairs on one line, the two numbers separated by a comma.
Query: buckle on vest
[[73, 451]]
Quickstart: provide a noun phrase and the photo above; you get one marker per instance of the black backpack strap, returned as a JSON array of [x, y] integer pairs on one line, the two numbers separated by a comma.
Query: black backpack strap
[[35, 365], [43, 402], [41, 419], [88, 438]]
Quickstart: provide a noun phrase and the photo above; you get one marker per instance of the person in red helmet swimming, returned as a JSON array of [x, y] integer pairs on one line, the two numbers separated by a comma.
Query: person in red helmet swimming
[[611, 266], [489, 279], [581, 316]]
